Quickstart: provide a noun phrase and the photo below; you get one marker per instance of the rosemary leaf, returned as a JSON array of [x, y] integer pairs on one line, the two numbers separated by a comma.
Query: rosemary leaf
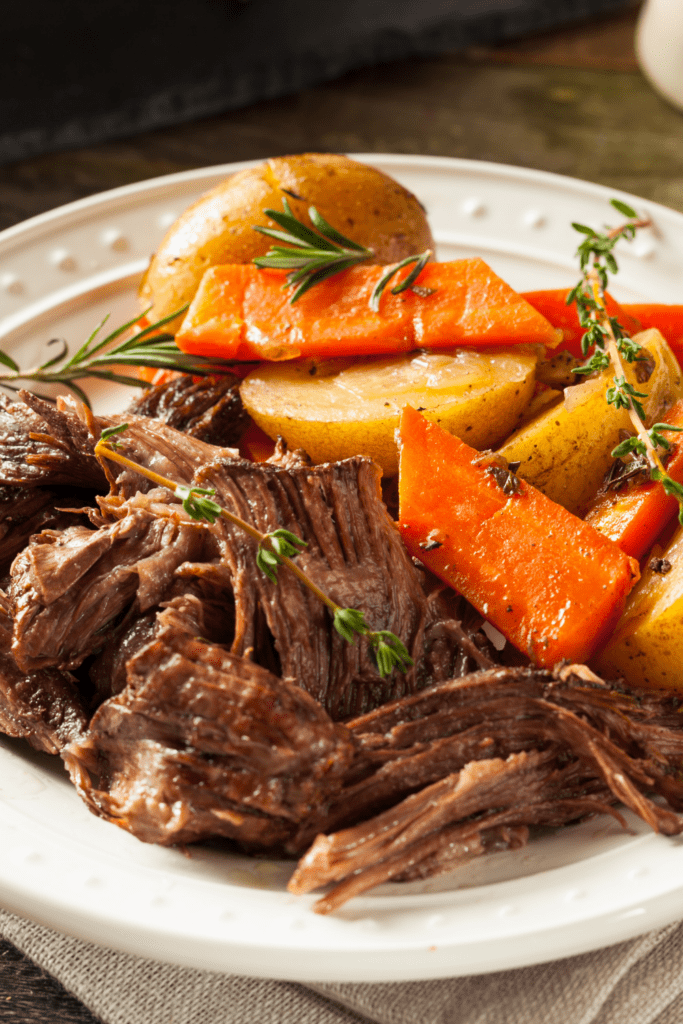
[[8, 361], [384, 280], [627, 211], [55, 359], [329, 232]]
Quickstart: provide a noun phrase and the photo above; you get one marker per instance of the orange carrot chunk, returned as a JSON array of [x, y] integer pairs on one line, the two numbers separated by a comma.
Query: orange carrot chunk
[[241, 312], [552, 304], [634, 515], [550, 583], [667, 319]]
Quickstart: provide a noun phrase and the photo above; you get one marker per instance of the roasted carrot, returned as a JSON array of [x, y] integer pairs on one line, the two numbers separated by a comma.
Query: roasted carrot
[[635, 515], [552, 304], [241, 312], [548, 581], [667, 319]]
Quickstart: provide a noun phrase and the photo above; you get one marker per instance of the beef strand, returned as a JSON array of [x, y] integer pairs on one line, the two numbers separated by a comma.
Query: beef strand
[[503, 749], [68, 587], [44, 707], [354, 554]]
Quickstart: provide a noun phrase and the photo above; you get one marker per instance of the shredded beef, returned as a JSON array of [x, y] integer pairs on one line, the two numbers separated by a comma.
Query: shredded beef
[[202, 742], [209, 409], [45, 707], [68, 587], [354, 554], [441, 775], [43, 445], [23, 512]]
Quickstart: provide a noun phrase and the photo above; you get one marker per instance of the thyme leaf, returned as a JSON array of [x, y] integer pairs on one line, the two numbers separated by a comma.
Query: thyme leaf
[[197, 502], [283, 544], [389, 652]]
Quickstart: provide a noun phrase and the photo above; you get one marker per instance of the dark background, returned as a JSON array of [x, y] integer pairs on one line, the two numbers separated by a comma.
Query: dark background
[[77, 72]]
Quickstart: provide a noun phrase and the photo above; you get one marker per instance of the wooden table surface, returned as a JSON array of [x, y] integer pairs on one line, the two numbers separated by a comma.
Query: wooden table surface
[[572, 101]]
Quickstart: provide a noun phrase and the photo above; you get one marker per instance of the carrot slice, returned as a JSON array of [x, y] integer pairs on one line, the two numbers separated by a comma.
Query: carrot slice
[[667, 319], [552, 304], [241, 312], [634, 516], [549, 582]]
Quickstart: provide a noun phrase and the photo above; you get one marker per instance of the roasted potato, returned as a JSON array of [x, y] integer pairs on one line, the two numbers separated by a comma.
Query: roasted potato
[[647, 646], [361, 202], [566, 450], [344, 407]]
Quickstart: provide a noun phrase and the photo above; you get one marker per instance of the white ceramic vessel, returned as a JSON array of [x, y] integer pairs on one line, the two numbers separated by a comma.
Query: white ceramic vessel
[[582, 888], [659, 47]]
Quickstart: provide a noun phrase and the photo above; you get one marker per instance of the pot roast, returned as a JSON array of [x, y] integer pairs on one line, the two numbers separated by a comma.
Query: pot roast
[[191, 697]]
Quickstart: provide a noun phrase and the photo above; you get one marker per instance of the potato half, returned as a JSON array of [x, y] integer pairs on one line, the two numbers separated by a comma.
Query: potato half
[[566, 450], [344, 407], [647, 646], [364, 204]]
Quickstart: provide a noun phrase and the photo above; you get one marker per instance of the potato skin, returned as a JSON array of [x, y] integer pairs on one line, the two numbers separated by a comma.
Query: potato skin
[[565, 452], [646, 648], [361, 202]]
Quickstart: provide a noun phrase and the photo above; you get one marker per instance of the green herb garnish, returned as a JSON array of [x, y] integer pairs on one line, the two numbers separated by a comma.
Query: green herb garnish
[[312, 255], [101, 357], [607, 343]]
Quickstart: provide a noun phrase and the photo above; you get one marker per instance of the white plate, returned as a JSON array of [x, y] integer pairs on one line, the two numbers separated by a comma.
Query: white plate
[[580, 889]]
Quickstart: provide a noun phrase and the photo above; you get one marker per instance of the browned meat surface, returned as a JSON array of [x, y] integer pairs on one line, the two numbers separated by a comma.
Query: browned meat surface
[[23, 511], [42, 445], [209, 409], [46, 445], [354, 554], [167, 451], [68, 587], [203, 743], [446, 774], [45, 706]]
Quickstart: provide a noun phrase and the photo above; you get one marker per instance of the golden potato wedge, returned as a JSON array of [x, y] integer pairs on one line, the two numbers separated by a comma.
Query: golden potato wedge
[[361, 202], [647, 646], [344, 407], [566, 451]]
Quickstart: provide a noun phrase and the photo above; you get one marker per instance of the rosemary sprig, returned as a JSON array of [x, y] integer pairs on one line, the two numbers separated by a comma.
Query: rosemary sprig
[[274, 549], [311, 256], [100, 358], [607, 343]]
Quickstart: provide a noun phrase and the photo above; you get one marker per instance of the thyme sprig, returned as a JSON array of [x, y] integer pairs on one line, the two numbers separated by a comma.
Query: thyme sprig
[[607, 343], [101, 357], [276, 548], [310, 255]]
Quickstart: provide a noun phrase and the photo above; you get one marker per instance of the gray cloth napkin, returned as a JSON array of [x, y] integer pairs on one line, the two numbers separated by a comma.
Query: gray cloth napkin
[[636, 982]]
